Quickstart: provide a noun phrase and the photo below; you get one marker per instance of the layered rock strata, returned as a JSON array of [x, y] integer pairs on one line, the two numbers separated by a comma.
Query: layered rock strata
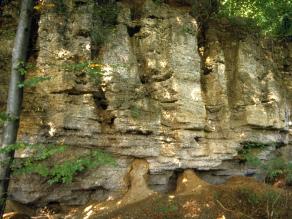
[[164, 96]]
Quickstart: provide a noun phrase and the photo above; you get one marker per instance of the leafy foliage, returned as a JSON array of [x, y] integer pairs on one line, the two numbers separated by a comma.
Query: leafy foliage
[[32, 82], [272, 16], [5, 117], [108, 13], [272, 169], [93, 70], [250, 148], [65, 171], [269, 199], [61, 172], [23, 68], [166, 207], [135, 111], [277, 167], [249, 195]]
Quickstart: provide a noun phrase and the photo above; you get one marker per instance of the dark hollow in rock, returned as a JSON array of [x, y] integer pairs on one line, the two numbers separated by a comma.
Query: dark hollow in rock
[[133, 30]]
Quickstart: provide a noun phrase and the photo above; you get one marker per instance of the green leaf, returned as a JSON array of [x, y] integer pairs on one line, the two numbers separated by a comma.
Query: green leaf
[[11, 148], [274, 18], [93, 70], [60, 172], [32, 82]]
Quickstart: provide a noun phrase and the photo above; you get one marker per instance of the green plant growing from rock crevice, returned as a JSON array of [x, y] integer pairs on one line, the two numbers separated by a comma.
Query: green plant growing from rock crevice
[[273, 169], [249, 148], [32, 82], [135, 111], [23, 69], [59, 172], [93, 70]]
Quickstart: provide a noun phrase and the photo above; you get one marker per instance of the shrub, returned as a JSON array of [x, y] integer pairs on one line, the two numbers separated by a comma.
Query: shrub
[[249, 195], [249, 149], [272, 169], [272, 17], [275, 168], [60, 172]]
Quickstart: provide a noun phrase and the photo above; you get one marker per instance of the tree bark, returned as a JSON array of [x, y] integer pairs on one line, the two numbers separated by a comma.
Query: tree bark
[[19, 55]]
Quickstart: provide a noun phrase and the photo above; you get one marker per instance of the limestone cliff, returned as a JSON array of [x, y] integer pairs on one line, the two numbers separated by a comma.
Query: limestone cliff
[[174, 94]]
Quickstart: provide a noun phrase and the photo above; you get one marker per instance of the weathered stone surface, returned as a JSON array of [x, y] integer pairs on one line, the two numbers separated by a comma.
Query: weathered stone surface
[[138, 180], [188, 182], [164, 96]]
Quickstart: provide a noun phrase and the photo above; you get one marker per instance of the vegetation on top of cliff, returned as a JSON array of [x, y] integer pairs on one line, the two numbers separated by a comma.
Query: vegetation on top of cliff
[[273, 17]]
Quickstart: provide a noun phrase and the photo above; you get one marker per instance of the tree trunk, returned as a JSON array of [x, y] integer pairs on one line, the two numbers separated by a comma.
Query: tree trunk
[[19, 55]]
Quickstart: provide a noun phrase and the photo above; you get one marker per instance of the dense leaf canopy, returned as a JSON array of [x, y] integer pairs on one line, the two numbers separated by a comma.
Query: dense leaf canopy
[[273, 16]]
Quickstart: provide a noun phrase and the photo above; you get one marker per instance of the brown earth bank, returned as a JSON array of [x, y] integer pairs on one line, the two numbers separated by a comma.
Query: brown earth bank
[[239, 197]]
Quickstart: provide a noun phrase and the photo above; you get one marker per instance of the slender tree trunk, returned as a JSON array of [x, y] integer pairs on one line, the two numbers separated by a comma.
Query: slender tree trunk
[[19, 55]]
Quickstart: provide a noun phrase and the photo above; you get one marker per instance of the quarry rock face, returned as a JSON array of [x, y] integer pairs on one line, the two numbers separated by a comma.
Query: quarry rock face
[[175, 95]]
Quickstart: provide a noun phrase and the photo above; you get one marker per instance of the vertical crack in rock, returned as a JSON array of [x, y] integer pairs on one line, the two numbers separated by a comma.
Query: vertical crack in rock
[[133, 30], [33, 46]]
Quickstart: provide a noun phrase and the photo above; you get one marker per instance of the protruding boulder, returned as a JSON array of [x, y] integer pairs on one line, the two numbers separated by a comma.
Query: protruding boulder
[[138, 176]]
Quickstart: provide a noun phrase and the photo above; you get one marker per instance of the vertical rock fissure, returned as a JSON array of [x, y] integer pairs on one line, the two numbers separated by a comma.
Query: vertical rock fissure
[[231, 65]]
